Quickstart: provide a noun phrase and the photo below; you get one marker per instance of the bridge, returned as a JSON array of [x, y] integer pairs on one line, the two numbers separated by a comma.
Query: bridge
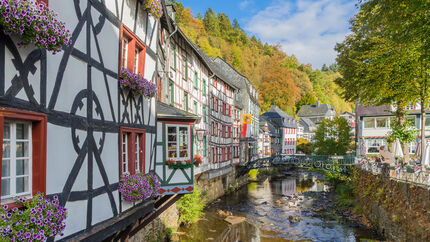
[[333, 163]]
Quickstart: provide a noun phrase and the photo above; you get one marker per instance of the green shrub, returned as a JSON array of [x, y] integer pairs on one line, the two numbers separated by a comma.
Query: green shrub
[[345, 195], [253, 174], [191, 206]]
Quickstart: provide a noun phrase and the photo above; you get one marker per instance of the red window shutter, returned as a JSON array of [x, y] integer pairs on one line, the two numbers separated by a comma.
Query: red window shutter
[[43, 1]]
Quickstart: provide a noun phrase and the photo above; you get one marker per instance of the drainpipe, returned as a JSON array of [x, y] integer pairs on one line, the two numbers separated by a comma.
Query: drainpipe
[[209, 117]]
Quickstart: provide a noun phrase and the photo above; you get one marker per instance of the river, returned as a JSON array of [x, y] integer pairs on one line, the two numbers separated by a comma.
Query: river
[[295, 206]]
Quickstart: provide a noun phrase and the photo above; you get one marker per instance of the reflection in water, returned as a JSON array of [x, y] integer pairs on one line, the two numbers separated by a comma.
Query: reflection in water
[[268, 206]]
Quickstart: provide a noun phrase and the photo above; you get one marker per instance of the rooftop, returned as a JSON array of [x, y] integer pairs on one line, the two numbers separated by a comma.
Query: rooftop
[[319, 109]]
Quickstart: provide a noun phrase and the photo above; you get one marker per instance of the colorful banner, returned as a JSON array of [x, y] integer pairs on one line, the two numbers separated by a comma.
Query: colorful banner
[[246, 118]]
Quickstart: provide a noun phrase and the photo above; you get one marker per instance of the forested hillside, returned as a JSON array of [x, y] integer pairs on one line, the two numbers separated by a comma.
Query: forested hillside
[[280, 79]]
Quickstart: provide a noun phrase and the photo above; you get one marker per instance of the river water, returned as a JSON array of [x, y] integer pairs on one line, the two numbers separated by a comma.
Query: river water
[[295, 206]]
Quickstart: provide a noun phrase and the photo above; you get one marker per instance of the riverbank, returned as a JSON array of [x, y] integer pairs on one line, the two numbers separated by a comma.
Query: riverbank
[[292, 206]]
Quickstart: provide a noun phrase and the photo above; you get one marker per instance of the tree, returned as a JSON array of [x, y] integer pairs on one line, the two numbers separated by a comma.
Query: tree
[[378, 65], [211, 22], [307, 99], [333, 137], [304, 146], [324, 68]]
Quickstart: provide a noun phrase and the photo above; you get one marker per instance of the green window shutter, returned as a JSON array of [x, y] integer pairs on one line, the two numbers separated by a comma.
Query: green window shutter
[[195, 107], [204, 112], [172, 93], [204, 87], [196, 78], [185, 68], [197, 144], [186, 101], [205, 146]]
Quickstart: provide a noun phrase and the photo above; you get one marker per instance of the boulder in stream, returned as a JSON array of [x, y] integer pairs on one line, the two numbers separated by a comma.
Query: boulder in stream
[[294, 219], [234, 220]]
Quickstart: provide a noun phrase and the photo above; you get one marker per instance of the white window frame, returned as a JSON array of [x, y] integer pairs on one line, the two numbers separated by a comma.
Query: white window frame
[[136, 60], [12, 159], [177, 126], [368, 141], [125, 43], [124, 154], [137, 154]]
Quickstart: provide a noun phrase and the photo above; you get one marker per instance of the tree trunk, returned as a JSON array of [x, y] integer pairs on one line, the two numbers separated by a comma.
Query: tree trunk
[[423, 129], [401, 119]]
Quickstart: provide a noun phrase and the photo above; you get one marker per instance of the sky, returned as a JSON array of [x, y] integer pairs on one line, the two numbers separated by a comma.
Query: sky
[[309, 29]]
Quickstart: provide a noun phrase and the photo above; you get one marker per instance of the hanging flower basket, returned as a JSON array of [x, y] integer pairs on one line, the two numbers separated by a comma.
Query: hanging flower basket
[[39, 219], [154, 7], [175, 164], [138, 85], [34, 23], [139, 187]]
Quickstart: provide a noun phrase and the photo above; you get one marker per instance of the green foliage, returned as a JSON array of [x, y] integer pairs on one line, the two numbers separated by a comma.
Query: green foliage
[[280, 79], [307, 99], [304, 146], [191, 206], [268, 172], [252, 174], [333, 137], [345, 195], [406, 133]]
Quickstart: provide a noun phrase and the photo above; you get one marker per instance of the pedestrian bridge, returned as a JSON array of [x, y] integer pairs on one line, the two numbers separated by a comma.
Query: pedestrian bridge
[[335, 163]]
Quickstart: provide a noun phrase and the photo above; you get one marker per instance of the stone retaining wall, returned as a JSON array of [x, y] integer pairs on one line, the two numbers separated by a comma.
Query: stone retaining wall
[[399, 211]]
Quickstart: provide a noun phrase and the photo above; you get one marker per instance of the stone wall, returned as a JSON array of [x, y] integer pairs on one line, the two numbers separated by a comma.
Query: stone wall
[[398, 210], [169, 219]]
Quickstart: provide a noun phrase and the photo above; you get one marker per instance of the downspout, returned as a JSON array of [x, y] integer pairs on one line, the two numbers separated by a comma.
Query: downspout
[[209, 117]]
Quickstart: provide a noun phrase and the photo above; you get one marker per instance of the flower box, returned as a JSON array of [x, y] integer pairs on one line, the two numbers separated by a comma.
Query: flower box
[[39, 219], [139, 187], [138, 85], [177, 164], [154, 7], [34, 23], [197, 160]]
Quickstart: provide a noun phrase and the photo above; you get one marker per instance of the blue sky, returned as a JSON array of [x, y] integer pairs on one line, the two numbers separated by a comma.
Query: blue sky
[[309, 29]]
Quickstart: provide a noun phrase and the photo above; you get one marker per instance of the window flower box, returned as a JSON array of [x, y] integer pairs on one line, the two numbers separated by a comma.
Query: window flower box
[[139, 187], [39, 219], [154, 7], [138, 85], [176, 164], [34, 23]]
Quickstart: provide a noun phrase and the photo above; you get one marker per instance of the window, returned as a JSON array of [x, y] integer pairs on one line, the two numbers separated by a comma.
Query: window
[[427, 123], [178, 139], [413, 147], [369, 123], [132, 150], [195, 108], [186, 101], [204, 113], [412, 119], [185, 68], [174, 57], [16, 159], [196, 80], [382, 122], [171, 93], [204, 87], [23, 170], [373, 145], [132, 51]]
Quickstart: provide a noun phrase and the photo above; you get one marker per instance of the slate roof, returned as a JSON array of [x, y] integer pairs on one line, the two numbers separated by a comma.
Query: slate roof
[[315, 110], [272, 127], [307, 124], [373, 110], [240, 80], [276, 115], [168, 112]]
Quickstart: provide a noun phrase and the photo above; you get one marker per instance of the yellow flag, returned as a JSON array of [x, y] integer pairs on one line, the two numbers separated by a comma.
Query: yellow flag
[[247, 118]]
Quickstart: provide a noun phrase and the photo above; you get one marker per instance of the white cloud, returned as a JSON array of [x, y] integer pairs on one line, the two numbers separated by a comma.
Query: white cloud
[[308, 29], [244, 4]]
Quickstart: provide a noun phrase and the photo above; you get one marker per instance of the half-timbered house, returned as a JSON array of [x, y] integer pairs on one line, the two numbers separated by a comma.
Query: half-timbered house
[[78, 130]]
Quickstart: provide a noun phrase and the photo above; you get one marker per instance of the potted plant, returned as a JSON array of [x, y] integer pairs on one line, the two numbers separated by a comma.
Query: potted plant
[[34, 23], [178, 164], [139, 187], [197, 160], [154, 7], [38, 219], [138, 85]]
